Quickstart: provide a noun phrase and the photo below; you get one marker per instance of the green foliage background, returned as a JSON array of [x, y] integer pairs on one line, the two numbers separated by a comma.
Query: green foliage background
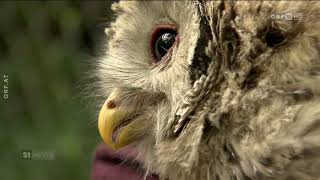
[[45, 49]]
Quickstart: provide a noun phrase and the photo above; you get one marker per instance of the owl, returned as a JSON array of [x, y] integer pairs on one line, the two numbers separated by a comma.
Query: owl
[[214, 90]]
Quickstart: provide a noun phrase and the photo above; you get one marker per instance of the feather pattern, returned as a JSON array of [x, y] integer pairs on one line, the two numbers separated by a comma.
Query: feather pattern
[[240, 96]]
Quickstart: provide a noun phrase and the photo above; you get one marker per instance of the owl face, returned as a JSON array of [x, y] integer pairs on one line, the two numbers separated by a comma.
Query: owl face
[[147, 67], [207, 88]]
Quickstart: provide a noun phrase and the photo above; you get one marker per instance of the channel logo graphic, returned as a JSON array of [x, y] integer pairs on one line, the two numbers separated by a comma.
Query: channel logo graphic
[[287, 16]]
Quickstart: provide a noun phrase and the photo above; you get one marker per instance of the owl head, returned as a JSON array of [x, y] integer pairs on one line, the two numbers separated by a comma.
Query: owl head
[[211, 89]]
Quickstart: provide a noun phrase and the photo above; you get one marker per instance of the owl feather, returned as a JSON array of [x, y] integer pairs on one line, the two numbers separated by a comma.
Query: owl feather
[[239, 97]]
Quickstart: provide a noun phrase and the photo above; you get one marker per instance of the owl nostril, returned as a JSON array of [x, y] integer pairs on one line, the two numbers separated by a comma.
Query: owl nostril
[[111, 104]]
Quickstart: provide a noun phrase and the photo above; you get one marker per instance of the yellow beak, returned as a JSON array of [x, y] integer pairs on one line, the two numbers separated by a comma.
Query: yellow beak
[[112, 115]]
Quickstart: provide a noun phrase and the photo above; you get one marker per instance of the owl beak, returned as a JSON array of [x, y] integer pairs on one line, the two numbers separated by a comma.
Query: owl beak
[[115, 125]]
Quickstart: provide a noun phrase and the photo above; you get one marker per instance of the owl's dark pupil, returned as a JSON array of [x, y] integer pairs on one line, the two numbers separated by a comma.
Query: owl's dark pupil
[[163, 44]]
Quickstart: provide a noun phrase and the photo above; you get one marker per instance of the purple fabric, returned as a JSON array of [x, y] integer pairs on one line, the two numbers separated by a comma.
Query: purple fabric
[[117, 165]]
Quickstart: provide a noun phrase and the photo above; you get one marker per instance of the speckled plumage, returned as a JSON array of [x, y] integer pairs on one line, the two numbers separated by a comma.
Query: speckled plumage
[[245, 86]]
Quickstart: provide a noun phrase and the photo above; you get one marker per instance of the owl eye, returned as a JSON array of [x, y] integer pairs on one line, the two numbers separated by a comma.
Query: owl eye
[[163, 44], [162, 40]]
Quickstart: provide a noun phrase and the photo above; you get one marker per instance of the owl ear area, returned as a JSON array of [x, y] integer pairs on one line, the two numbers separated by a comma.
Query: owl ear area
[[164, 38]]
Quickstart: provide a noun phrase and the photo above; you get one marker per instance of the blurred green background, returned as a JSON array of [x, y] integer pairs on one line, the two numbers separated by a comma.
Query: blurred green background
[[46, 49]]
